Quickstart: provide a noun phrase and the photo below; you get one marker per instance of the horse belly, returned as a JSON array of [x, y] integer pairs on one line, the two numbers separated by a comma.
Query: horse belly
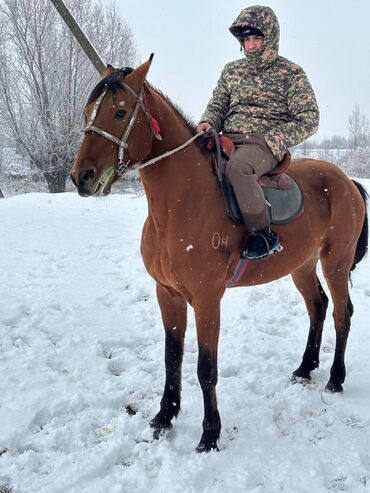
[[301, 239]]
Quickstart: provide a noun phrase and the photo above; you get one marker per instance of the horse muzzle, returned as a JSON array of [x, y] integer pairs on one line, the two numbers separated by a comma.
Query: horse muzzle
[[89, 183]]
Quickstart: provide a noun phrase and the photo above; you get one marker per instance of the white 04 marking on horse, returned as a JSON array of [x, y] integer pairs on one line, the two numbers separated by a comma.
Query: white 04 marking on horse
[[219, 241]]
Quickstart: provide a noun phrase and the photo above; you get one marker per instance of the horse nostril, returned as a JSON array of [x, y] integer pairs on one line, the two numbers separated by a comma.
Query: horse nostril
[[87, 175]]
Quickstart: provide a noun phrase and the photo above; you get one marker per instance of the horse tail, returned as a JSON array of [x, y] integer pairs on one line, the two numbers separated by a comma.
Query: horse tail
[[362, 243]]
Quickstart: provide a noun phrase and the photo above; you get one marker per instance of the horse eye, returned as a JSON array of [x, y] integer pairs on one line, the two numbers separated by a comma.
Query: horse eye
[[120, 114]]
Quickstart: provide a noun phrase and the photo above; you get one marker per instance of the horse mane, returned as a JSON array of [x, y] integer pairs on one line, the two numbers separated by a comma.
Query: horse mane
[[114, 84], [189, 122]]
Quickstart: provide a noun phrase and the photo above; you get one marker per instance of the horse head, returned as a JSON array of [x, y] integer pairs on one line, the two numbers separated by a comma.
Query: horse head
[[118, 130]]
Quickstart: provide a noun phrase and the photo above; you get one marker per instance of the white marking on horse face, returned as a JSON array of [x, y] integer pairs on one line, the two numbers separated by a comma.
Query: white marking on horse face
[[121, 103]]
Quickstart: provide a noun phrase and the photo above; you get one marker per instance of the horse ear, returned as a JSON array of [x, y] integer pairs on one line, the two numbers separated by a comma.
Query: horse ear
[[137, 78], [107, 71]]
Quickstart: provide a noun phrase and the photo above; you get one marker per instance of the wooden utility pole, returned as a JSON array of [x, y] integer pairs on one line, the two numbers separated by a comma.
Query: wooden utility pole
[[81, 37]]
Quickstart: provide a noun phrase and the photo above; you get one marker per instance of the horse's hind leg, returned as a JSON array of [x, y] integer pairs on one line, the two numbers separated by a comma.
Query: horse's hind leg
[[336, 271], [309, 286], [173, 309]]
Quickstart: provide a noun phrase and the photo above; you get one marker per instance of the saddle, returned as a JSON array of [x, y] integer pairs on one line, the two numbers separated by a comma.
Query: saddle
[[283, 195]]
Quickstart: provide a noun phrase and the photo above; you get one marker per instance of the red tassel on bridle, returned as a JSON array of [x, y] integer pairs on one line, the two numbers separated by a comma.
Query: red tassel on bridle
[[153, 122]]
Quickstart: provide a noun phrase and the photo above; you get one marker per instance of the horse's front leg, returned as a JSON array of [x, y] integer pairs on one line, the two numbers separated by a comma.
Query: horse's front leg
[[207, 316], [173, 309]]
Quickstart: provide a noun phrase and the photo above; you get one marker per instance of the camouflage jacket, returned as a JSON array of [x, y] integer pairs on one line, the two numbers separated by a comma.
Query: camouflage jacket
[[264, 93]]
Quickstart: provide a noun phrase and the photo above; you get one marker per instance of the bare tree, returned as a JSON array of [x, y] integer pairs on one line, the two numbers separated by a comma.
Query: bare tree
[[358, 127], [3, 160], [338, 142], [45, 78]]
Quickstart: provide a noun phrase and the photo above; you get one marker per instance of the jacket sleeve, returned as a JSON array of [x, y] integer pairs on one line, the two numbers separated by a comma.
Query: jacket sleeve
[[304, 116], [218, 106]]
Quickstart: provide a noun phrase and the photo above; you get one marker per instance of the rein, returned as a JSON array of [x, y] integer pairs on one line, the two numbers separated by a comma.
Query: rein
[[122, 166], [166, 154]]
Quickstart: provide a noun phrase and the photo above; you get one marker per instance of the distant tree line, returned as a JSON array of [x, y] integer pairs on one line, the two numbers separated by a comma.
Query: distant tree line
[[45, 78], [351, 153], [358, 135]]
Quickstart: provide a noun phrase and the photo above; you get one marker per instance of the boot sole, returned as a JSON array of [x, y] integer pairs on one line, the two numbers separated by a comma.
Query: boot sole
[[275, 250]]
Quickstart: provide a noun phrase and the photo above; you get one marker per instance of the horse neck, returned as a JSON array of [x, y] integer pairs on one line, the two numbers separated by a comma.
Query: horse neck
[[182, 177]]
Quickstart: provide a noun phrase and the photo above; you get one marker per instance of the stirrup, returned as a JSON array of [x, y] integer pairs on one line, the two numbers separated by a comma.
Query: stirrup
[[277, 249], [268, 252]]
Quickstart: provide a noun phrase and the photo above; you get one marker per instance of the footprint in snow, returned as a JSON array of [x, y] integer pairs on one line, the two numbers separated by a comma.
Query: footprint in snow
[[116, 368]]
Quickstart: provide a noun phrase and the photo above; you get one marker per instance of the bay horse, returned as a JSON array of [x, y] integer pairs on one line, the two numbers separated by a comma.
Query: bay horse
[[186, 214]]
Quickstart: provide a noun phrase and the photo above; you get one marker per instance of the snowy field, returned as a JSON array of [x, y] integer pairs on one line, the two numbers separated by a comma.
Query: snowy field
[[82, 371]]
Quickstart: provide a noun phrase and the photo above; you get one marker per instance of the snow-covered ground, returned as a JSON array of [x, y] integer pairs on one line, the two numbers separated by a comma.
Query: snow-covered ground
[[82, 371]]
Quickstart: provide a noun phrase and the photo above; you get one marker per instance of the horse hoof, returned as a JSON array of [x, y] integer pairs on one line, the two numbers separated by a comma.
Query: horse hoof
[[208, 442], [300, 377], [159, 425], [333, 387], [204, 447], [160, 430]]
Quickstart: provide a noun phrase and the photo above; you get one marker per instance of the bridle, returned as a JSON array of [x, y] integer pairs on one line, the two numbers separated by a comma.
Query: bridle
[[122, 166]]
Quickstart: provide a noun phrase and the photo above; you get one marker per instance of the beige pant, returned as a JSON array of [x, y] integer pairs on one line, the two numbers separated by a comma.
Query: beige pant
[[251, 159]]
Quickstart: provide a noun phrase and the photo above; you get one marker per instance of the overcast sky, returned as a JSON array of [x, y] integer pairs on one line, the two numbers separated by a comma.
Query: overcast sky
[[191, 41]]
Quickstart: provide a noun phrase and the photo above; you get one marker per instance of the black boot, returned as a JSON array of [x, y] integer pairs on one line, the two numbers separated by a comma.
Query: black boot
[[261, 244]]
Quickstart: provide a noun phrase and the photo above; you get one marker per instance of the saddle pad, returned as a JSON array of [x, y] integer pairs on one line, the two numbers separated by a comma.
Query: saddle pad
[[283, 205]]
